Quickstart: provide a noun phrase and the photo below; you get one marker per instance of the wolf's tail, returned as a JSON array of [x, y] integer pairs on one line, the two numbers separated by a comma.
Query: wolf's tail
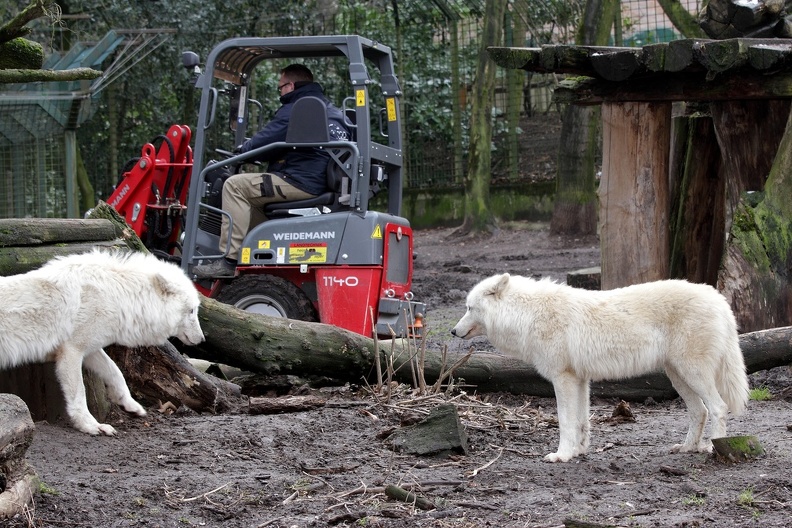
[[733, 381]]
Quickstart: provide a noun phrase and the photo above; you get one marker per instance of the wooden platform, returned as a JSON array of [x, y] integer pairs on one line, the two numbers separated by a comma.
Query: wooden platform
[[689, 127]]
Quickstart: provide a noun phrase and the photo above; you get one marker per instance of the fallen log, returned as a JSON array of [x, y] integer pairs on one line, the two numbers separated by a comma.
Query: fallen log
[[274, 346], [37, 231], [284, 404], [402, 495], [28, 243]]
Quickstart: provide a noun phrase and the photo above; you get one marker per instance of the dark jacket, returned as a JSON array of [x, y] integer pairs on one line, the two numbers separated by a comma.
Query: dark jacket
[[303, 168]]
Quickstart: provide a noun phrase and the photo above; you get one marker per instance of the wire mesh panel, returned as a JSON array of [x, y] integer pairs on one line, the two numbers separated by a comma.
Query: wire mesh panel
[[644, 22], [32, 180]]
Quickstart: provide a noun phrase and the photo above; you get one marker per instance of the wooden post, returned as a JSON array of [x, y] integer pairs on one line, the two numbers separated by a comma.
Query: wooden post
[[633, 192]]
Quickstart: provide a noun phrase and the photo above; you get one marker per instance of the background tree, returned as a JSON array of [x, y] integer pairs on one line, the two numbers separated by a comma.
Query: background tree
[[682, 20], [575, 207], [478, 216]]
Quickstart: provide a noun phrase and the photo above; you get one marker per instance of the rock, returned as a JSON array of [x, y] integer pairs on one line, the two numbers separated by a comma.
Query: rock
[[16, 435], [439, 433]]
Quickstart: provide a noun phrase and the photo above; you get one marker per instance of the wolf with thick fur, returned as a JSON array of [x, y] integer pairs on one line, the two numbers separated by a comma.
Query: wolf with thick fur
[[68, 310], [574, 336]]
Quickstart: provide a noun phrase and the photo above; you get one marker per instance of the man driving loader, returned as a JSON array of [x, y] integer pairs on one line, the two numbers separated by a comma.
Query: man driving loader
[[291, 175]]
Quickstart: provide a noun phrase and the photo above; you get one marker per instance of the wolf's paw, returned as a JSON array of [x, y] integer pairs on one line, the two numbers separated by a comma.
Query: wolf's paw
[[132, 407], [92, 427], [107, 430], [703, 447], [557, 457]]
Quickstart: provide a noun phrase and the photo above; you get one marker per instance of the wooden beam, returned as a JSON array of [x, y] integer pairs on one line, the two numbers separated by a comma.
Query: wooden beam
[[676, 87], [633, 192]]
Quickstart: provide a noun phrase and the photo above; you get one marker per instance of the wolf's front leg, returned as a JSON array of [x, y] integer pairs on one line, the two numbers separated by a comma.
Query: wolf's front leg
[[570, 391], [100, 364], [582, 416], [68, 369]]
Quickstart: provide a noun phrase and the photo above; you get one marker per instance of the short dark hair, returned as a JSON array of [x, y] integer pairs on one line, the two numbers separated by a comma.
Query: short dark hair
[[297, 72]]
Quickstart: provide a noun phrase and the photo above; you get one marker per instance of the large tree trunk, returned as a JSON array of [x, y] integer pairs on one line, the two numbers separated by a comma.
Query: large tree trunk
[[161, 374], [681, 18], [755, 276]]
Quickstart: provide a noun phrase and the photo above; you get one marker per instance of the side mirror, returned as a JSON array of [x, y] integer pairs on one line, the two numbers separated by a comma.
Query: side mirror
[[190, 61]]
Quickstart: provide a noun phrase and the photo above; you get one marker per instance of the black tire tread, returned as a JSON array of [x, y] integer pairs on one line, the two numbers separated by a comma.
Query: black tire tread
[[292, 298]]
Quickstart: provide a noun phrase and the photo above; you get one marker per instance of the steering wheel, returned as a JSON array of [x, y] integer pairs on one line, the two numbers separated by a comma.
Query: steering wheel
[[225, 153], [228, 154]]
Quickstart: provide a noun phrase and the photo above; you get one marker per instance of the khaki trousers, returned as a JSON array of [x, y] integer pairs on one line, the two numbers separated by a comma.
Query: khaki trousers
[[244, 196]]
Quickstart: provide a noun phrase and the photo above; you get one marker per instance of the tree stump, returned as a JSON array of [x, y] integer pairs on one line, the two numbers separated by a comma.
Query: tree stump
[[737, 448]]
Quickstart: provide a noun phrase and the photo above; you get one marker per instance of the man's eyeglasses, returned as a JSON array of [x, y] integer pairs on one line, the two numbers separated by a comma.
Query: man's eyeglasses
[[280, 87]]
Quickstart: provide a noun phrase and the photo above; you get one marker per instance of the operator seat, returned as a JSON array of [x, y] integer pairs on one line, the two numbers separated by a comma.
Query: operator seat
[[308, 125]]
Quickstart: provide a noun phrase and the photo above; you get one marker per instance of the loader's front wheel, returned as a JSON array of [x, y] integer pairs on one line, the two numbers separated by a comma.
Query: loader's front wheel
[[268, 295]]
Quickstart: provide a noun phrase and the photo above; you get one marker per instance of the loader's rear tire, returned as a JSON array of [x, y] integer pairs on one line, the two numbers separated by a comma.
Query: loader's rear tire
[[268, 295]]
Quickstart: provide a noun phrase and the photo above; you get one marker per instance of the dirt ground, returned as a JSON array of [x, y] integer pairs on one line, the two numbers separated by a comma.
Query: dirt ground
[[330, 466]]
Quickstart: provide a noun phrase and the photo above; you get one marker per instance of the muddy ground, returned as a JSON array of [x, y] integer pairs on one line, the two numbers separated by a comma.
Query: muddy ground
[[329, 466]]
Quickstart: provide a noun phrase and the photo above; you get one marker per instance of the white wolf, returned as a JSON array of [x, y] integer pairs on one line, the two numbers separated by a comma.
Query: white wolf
[[71, 308], [573, 336]]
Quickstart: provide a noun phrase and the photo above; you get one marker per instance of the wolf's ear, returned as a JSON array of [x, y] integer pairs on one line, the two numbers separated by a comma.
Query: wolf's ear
[[162, 285], [499, 287]]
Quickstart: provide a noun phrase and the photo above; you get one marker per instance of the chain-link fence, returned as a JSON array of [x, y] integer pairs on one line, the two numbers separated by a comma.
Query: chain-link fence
[[32, 182], [436, 45]]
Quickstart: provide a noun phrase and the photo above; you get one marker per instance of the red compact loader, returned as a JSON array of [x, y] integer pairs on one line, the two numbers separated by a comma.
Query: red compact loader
[[331, 258]]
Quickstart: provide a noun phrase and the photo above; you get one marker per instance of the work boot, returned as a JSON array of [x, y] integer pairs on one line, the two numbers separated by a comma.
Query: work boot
[[219, 269]]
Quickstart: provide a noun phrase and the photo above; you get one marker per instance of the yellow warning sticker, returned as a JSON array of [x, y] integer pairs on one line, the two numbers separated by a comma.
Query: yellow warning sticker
[[377, 232], [245, 255], [390, 103], [360, 95], [308, 253], [264, 244]]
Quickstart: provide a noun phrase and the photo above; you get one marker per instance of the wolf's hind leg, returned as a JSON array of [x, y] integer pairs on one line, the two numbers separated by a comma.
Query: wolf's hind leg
[[100, 364], [694, 441]]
